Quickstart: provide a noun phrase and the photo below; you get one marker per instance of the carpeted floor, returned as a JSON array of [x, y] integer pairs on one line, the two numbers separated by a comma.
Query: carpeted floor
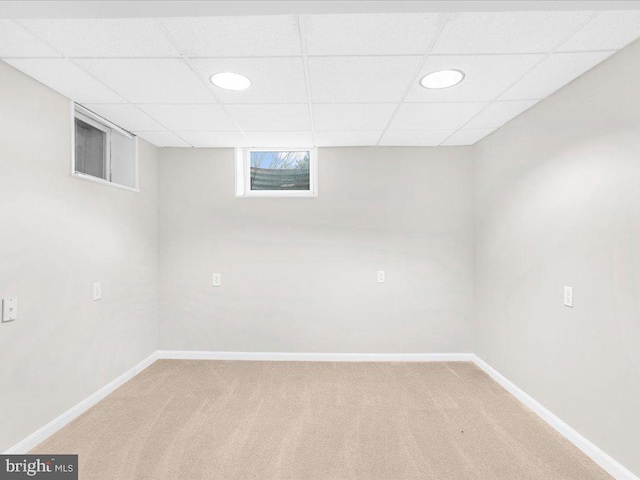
[[309, 421]]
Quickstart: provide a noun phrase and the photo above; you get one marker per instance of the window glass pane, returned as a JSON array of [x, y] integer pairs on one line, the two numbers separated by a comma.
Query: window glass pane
[[90, 150], [280, 170], [123, 165]]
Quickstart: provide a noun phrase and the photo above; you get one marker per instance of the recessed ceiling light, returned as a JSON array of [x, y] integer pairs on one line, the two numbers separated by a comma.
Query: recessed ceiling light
[[442, 79], [230, 81]]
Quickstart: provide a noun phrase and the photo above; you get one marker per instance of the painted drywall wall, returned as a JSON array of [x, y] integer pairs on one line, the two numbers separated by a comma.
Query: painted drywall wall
[[557, 197], [299, 274], [58, 235]]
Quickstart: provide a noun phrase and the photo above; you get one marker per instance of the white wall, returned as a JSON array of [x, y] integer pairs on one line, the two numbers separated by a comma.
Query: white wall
[[58, 235], [299, 275], [557, 196]]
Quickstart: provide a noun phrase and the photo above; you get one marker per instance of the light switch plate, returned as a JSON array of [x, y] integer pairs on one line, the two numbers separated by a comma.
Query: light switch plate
[[217, 279], [97, 291], [568, 297], [9, 309], [381, 278]]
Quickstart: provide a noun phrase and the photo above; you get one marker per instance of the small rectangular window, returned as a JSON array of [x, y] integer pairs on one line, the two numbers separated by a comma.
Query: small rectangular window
[[276, 172], [103, 152]]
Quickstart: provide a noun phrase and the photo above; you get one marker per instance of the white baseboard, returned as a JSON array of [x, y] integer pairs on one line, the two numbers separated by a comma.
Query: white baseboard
[[74, 412], [611, 466], [316, 357]]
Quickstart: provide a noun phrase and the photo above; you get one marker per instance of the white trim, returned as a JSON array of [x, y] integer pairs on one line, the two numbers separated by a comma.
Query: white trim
[[74, 412], [101, 181], [243, 187], [136, 173], [103, 124], [100, 122], [173, 8], [316, 357], [605, 461], [73, 136]]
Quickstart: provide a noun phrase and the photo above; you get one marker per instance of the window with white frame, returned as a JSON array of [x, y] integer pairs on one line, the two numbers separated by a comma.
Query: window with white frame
[[276, 172], [103, 152]]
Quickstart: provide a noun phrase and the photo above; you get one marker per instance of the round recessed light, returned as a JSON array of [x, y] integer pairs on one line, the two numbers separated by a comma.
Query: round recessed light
[[442, 79], [230, 81]]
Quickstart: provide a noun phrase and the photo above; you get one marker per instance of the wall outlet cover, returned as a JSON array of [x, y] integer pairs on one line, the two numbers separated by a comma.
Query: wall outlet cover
[[568, 297], [9, 309], [97, 291]]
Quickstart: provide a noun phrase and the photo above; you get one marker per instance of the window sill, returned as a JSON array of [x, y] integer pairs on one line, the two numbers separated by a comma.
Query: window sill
[[100, 181], [268, 194]]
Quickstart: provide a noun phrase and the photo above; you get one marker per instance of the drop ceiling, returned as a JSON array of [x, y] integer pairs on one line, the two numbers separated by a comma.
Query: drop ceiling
[[324, 80]]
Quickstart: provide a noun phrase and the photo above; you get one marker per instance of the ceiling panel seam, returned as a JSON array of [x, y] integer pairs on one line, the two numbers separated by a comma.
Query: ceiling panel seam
[[267, 57], [307, 73], [205, 82], [74, 63], [527, 72], [442, 23]]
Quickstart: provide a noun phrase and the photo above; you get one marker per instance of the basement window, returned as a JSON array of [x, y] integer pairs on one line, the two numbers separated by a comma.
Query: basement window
[[103, 152], [276, 172]]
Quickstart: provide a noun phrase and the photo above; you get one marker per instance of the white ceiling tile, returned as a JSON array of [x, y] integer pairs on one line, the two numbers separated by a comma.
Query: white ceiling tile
[[232, 139], [280, 139], [126, 116], [15, 41], [435, 116], [150, 80], [215, 139], [344, 138], [415, 138], [243, 36], [103, 37], [467, 137], [163, 139], [486, 76], [352, 116], [553, 73], [360, 79], [507, 32], [370, 34], [64, 77], [499, 113], [608, 31], [273, 80], [196, 117], [271, 117]]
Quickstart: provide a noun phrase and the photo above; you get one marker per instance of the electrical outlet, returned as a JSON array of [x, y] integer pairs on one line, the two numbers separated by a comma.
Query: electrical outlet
[[380, 276], [217, 279], [568, 296], [97, 291], [9, 309]]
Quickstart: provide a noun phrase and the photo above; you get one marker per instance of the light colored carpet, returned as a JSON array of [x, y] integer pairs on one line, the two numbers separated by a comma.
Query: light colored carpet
[[310, 421]]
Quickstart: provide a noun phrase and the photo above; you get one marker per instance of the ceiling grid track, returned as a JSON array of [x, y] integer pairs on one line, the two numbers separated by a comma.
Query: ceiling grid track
[[75, 64], [443, 20], [204, 81], [263, 57], [307, 77], [531, 69]]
